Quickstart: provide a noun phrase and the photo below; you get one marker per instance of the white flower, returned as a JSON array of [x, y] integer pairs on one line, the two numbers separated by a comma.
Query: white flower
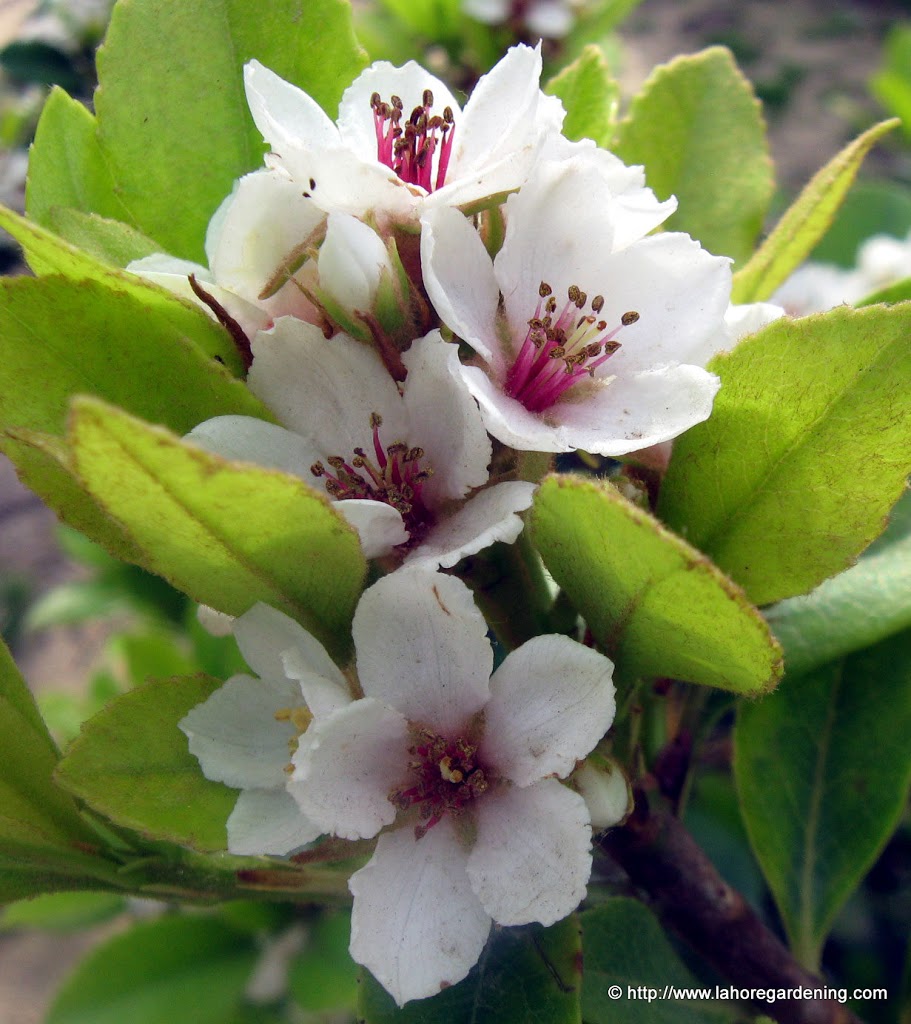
[[549, 19], [466, 766], [245, 733], [260, 246], [815, 287], [396, 460], [402, 141], [599, 339]]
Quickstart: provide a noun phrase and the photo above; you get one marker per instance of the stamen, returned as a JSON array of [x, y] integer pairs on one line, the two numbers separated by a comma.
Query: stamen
[[409, 149], [445, 777], [558, 351], [394, 475]]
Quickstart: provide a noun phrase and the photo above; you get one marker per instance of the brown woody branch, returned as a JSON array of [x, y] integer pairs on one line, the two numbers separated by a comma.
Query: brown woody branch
[[662, 859]]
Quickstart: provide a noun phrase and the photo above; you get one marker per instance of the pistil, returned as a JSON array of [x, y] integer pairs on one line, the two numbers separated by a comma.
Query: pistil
[[560, 349], [408, 148]]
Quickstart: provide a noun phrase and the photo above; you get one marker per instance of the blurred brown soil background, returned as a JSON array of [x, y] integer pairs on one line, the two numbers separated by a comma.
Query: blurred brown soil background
[[810, 62]]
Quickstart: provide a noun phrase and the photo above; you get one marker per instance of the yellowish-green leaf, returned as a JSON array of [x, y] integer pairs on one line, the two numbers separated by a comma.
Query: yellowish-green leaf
[[698, 128], [48, 254], [228, 534], [806, 221], [659, 607], [590, 95], [807, 449], [59, 338], [132, 764]]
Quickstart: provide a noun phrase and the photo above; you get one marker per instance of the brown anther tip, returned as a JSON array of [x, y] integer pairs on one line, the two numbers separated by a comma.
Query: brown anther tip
[[629, 318], [448, 116], [597, 303], [335, 461], [544, 289], [397, 102], [375, 99], [376, 420], [317, 469], [427, 98]]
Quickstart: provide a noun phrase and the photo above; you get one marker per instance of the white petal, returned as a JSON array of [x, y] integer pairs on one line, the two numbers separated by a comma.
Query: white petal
[[325, 390], [416, 924], [268, 821], [491, 515], [355, 114], [610, 418], [444, 420], [550, 19], [161, 264], [263, 634], [253, 233], [323, 694], [606, 793], [286, 116], [248, 439], [532, 857], [550, 702], [351, 259], [346, 766], [236, 736], [640, 410], [422, 648], [509, 421], [503, 124], [339, 182], [459, 278], [750, 318], [379, 526], [681, 293], [490, 12], [215, 622]]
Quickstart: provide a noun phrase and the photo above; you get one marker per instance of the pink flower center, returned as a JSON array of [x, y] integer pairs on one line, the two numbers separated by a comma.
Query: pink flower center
[[561, 349], [394, 476], [409, 148], [445, 777]]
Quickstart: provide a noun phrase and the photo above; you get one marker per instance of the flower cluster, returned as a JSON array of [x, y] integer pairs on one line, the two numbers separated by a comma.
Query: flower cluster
[[422, 294]]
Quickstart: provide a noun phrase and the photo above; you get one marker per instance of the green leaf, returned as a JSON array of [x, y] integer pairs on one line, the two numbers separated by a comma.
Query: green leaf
[[659, 607], [870, 208], [172, 117], [626, 948], [33, 811], [89, 339], [226, 533], [179, 969], [858, 608], [43, 464], [67, 167], [805, 222], [891, 85], [823, 768], [590, 95], [698, 128], [108, 241], [15, 693], [900, 291], [324, 977], [806, 450], [48, 254], [530, 974], [132, 764], [62, 911]]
